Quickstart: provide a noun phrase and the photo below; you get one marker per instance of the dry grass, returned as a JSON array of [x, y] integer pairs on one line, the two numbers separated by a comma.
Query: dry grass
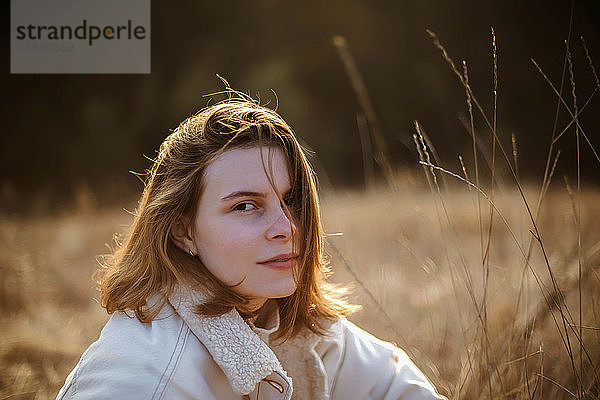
[[429, 278], [392, 241], [47, 297]]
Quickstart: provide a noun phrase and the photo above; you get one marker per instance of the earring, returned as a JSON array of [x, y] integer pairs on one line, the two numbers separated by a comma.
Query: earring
[[191, 252]]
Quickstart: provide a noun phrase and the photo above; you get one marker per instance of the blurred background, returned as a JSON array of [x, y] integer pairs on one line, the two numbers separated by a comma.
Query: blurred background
[[475, 317]]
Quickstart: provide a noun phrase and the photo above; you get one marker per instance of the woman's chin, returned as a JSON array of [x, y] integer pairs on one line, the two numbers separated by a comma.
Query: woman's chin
[[282, 289]]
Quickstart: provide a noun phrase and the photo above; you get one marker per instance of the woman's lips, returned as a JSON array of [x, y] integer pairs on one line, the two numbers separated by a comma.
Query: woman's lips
[[280, 264]]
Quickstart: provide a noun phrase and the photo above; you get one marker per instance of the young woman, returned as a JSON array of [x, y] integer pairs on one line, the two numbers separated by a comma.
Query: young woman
[[219, 292]]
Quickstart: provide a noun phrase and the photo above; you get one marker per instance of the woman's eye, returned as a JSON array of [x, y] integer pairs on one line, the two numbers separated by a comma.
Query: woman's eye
[[244, 207]]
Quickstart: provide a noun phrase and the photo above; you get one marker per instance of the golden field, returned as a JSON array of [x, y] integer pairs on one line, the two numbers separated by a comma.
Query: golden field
[[414, 258]]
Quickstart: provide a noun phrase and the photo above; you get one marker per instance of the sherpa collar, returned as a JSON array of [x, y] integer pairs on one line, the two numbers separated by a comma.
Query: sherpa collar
[[240, 353]]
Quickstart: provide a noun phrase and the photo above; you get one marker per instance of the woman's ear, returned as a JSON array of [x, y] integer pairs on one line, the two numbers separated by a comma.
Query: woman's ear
[[182, 236]]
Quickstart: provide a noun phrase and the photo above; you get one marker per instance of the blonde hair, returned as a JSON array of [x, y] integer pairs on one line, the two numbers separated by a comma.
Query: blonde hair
[[148, 262]]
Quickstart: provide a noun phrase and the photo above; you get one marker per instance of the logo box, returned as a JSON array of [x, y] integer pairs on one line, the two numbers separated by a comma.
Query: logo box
[[80, 37]]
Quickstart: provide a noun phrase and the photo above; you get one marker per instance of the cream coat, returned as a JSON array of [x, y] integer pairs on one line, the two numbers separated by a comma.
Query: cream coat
[[181, 355]]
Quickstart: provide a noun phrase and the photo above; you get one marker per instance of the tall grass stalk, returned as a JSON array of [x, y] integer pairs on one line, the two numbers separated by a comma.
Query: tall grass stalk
[[475, 163], [364, 99], [578, 212]]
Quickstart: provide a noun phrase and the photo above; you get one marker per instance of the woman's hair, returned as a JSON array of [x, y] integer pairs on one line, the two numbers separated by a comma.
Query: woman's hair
[[148, 262]]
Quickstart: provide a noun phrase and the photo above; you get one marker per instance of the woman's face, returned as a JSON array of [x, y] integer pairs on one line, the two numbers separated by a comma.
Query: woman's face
[[241, 233]]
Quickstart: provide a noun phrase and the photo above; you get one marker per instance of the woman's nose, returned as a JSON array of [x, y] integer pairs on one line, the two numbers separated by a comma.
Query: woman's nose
[[282, 228]]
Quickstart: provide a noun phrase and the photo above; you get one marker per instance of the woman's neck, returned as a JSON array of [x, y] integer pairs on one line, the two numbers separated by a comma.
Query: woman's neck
[[263, 317]]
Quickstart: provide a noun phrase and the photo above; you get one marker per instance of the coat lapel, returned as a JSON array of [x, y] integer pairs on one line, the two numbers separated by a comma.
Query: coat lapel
[[244, 358]]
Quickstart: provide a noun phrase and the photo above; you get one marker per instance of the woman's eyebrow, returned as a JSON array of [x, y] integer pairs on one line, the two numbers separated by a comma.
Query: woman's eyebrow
[[243, 193], [247, 193]]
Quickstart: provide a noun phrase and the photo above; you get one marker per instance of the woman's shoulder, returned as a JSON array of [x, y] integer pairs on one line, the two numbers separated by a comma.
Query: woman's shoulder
[[135, 360], [126, 359], [345, 335], [125, 339], [342, 327], [360, 365]]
